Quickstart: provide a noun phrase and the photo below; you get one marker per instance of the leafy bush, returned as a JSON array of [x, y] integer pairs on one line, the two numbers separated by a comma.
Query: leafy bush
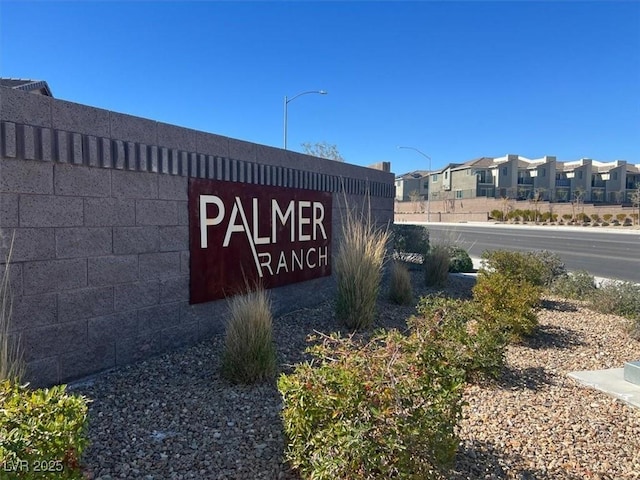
[[469, 341], [595, 217], [249, 352], [552, 265], [410, 238], [358, 268], [538, 267], [576, 285], [607, 217], [436, 266], [619, 298], [386, 409], [459, 260], [400, 290], [518, 265], [44, 429], [567, 216], [508, 303]]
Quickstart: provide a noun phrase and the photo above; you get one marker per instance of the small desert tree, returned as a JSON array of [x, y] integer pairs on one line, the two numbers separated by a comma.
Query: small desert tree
[[536, 198], [635, 201], [414, 196], [578, 196], [322, 150]]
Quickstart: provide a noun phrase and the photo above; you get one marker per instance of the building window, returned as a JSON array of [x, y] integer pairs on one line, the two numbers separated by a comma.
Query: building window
[[543, 172], [434, 177], [446, 174], [580, 174], [505, 170], [614, 176], [426, 184], [458, 193]]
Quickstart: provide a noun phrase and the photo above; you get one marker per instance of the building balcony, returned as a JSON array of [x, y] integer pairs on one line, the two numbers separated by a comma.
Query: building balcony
[[563, 182]]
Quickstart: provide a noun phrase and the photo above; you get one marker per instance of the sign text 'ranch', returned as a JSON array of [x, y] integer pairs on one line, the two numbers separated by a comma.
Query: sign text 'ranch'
[[243, 233]]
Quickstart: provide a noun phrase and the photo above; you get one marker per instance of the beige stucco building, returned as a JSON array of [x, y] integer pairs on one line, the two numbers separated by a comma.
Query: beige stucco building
[[517, 177]]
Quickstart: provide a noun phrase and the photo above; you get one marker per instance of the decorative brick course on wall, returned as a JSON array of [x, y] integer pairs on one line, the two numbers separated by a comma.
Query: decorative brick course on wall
[[97, 202]]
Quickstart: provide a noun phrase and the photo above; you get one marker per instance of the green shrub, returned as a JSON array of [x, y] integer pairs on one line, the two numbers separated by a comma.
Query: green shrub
[[386, 409], [497, 215], [595, 217], [619, 298], [459, 260], [11, 362], [249, 352], [552, 266], [539, 267], [515, 215], [576, 285], [518, 265], [436, 266], [528, 215], [469, 341], [607, 217], [41, 429], [409, 238], [507, 303], [400, 289], [358, 269], [567, 216]]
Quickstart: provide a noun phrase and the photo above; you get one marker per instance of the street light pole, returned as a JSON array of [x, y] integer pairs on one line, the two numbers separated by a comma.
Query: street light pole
[[428, 180], [286, 102]]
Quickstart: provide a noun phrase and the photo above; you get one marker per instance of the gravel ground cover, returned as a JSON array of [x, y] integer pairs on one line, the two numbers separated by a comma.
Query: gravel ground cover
[[173, 417]]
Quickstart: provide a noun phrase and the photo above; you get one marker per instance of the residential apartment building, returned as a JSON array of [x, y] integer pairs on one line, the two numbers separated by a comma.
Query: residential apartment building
[[412, 186], [517, 177]]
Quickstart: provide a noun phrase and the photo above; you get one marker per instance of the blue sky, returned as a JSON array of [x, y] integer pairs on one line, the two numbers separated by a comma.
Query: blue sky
[[457, 80]]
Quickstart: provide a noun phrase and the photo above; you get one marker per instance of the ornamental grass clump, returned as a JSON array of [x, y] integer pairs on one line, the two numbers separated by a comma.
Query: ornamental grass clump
[[249, 351], [436, 266], [11, 364], [358, 268], [400, 288]]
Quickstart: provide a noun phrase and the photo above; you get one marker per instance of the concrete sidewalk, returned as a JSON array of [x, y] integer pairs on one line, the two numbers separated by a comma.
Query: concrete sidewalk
[[611, 382]]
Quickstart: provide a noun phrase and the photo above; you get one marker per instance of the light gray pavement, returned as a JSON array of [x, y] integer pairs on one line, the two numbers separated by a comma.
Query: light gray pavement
[[611, 382]]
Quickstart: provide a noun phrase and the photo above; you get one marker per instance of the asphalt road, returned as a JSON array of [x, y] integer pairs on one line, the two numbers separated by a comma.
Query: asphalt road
[[600, 251]]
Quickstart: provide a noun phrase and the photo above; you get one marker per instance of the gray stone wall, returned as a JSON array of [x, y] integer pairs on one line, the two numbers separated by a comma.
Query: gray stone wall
[[96, 202]]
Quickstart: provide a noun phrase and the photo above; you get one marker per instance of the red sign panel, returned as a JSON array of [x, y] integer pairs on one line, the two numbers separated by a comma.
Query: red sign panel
[[241, 233]]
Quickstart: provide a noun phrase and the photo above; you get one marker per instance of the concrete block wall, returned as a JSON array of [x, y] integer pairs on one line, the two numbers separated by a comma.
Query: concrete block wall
[[96, 203]]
